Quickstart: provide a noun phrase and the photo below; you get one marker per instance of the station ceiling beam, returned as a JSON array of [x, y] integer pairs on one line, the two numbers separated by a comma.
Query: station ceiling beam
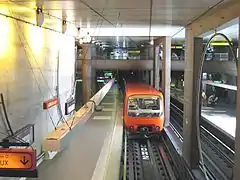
[[216, 17]]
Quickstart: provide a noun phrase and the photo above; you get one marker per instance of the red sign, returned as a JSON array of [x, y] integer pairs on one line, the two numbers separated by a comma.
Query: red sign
[[50, 103], [18, 159]]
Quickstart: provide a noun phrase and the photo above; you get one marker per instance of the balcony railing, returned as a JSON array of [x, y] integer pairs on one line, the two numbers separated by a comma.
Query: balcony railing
[[217, 57], [139, 57], [128, 58]]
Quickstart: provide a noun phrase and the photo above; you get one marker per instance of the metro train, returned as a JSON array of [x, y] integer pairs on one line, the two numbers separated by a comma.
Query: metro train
[[143, 109]]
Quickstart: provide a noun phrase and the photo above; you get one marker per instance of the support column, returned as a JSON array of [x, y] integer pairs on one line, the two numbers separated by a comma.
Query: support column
[[156, 66], [236, 171], [64, 25], [151, 77], [166, 77], [94, 81], [86, 72], [193, 56], [231, 93], [146, 76]]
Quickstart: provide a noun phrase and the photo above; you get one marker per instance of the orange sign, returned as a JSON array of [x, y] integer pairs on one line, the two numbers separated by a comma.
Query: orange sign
[[50, 103], [17, 158]]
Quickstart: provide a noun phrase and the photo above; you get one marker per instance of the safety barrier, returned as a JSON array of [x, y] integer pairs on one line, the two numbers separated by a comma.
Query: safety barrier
[[57, 140]]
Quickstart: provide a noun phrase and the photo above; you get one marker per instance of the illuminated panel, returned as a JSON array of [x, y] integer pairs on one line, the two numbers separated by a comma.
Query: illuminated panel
[[50, 103], [137, 52], [17, 158], [69, 106], [5, 34], [219, 43], [36, 37], [176, 47]]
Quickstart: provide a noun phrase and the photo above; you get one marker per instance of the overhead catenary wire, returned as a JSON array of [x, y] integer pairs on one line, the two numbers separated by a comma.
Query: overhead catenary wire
[[98, 19], [48, 14], [100, 14], [5, 114], [150, 24], [150, 20], [27, 22]]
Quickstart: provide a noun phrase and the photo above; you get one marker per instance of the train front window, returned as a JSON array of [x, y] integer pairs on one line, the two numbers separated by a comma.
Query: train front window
[[144, 106]]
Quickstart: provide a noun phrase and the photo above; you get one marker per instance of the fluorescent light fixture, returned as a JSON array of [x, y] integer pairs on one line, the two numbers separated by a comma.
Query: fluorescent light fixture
[[140, 31]]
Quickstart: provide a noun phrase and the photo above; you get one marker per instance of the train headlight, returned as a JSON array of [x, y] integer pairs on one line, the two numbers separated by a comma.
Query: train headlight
[[131, 128], [157, 128]]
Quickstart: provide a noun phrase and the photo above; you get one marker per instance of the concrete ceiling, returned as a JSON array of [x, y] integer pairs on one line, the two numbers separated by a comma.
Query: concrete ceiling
[[168, 16], [125, 12]]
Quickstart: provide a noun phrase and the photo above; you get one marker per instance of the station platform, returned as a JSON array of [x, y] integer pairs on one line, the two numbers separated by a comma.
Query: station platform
[[94, 151], [221, 116]]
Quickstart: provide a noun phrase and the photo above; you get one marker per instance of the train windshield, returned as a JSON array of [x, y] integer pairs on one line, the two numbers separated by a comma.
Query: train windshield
[[144, 106]]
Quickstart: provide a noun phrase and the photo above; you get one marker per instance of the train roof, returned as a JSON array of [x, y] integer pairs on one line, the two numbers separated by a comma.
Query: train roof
[[141, 88]]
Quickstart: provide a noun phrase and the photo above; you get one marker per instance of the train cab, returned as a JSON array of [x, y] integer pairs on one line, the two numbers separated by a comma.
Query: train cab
[[143, 109]]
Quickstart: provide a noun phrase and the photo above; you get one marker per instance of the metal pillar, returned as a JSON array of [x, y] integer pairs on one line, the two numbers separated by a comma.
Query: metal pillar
[[166, 76], [86, 72], [147, 76], [156, 66], [94, 81], [151, 77], [236, 172], [232, 94], [193, 54]]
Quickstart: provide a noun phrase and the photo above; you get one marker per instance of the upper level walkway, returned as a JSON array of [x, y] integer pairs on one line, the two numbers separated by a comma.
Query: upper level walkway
[[228, 67], [221, 116]]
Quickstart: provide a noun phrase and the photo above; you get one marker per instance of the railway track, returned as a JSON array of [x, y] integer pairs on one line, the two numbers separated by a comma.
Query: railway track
[[217, 155], [147, 160], [151, 159]]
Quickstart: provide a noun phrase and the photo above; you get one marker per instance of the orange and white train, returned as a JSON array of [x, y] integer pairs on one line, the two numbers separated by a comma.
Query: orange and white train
[[143, 109]]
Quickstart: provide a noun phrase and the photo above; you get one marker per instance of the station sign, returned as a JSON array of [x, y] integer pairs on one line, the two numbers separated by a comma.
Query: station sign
[[69, 106], [50, 103], [15, 162]]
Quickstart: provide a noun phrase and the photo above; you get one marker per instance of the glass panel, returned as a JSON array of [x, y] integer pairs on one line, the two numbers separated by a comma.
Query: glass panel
[[144, 106]]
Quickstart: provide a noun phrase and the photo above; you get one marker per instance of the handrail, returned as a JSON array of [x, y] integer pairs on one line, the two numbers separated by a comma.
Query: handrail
[[56, 140]]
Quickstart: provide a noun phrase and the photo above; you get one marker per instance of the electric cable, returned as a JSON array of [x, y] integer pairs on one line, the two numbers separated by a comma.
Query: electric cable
[[46, 82], [150, 20], [73, 94], [100, 14], [35, 59], [74, 83], [34, 9], [29, 23], [36, 81], [150, 25], [5, 114], [59, 109], [199, 91], [48, 14]]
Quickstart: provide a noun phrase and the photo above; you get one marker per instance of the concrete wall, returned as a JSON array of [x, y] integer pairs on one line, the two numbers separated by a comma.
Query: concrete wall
[[28, 75]]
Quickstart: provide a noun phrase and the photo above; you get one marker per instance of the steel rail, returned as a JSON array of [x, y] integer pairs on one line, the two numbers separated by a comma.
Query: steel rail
[[215, 153]]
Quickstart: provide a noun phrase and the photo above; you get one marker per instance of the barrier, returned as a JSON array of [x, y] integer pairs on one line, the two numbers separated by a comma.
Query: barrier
[[58, 139]]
